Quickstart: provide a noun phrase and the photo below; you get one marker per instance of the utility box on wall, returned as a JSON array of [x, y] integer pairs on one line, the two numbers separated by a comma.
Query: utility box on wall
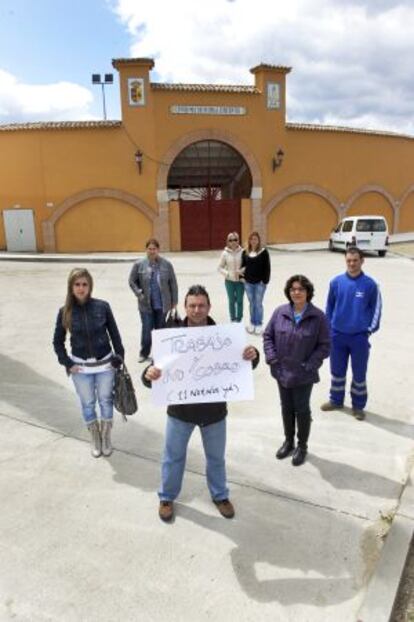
[[20, 230]]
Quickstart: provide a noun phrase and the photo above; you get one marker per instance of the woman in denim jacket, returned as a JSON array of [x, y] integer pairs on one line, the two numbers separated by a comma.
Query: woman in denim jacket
[[91, 364], [296, 340]]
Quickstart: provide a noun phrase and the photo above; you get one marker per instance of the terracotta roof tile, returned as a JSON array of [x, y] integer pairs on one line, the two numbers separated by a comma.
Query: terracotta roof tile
[[216, 88], [266, 67], [59, 125], [339, 128], [133, 61]]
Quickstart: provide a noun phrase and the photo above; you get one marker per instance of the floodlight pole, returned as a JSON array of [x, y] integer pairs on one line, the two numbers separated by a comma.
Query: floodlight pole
[[103, 100], [108, 79]]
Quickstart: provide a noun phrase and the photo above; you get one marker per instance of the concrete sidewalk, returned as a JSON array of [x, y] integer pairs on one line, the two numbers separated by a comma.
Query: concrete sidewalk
[[128, 257], [81, 539]]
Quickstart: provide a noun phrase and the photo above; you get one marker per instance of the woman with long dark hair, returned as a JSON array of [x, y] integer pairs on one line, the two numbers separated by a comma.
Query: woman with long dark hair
[[96, 349], [256, 273]]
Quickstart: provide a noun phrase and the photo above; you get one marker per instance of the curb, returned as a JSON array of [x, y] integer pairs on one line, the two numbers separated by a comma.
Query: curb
[[74, 259], [383, 587]]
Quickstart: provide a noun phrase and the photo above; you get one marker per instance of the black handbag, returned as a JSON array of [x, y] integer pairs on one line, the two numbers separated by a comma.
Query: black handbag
[[125, 400], [173, 319]]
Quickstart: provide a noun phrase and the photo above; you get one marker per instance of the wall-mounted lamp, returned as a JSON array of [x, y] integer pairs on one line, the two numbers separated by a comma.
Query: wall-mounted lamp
[[138, 159], [278, 159]]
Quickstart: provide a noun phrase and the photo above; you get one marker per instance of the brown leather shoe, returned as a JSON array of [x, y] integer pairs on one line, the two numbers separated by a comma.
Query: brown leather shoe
[[358, 414], [331, 406], [225, 507], [166, 511]]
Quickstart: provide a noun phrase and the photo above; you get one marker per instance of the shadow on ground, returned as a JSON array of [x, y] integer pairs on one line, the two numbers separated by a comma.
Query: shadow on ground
[[271, 534]]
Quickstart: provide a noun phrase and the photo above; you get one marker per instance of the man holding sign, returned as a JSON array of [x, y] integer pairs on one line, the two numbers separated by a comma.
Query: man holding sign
[[209, 415]]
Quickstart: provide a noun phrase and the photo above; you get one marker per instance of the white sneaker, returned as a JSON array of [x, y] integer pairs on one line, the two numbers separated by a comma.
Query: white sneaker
[[250, 329], [258, 330]]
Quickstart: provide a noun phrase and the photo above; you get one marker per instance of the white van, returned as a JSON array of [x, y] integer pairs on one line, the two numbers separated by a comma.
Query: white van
[[369, 233]]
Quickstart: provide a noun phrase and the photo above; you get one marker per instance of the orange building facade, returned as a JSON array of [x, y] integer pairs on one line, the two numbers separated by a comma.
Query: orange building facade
[[188, 163]]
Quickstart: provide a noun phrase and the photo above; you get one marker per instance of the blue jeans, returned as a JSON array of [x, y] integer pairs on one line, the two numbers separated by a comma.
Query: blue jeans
[[178, 434], [92, 387], [150, 320], [255, 293]]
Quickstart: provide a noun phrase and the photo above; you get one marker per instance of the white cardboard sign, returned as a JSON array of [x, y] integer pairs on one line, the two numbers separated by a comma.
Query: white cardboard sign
[[201, 364]]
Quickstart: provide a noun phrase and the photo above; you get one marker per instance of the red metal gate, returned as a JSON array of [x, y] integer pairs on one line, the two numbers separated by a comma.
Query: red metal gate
[[206, 223]]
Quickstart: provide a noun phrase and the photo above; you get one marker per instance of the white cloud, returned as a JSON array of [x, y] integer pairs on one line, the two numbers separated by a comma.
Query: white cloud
[[45, 102], [351, 59]]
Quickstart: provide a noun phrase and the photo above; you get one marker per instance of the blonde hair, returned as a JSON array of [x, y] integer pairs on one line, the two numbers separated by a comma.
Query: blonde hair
[[74, 275], [233, 234]]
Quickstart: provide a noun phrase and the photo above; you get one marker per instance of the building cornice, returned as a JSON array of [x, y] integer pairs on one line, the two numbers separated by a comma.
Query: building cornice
[[342, 129], [59, 125]]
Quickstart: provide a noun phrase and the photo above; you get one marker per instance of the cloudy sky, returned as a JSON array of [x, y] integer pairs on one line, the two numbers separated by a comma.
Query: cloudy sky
[[352, 60]]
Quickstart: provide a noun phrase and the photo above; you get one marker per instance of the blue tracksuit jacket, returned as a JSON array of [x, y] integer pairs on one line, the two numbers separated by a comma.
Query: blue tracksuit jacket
[[354, 304]]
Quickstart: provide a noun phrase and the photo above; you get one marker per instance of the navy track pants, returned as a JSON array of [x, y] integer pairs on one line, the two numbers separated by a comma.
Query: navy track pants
[[357, 347]]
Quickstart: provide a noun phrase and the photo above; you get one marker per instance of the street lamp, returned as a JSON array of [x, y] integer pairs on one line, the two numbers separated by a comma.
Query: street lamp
[[138, 160], [108, 79], [278, 159]]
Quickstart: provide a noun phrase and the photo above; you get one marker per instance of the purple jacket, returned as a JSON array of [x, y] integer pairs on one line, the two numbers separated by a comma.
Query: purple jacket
[[296, 351]]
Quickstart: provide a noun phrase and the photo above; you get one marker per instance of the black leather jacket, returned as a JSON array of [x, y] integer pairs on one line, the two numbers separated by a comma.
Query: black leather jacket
[[93, 330]]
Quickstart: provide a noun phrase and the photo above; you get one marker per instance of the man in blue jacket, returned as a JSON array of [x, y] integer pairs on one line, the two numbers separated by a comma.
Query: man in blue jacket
[[354, 311]]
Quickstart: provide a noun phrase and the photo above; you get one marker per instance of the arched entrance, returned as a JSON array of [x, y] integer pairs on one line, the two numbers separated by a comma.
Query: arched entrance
[[208, 178]]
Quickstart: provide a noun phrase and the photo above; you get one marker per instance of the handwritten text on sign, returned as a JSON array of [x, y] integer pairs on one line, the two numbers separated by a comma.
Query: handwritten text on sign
[[201, 364]]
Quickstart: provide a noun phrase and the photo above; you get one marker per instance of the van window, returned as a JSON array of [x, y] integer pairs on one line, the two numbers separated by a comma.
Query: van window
[[347, 226], [371, 225]]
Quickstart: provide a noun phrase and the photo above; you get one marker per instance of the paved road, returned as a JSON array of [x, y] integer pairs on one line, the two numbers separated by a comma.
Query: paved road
[[81, 539]]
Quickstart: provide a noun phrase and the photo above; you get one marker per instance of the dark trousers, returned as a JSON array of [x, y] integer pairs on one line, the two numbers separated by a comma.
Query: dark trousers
[[296, 412], [150, 320]]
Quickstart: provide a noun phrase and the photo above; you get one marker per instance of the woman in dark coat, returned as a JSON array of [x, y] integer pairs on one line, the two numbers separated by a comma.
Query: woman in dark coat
[[296, 340]]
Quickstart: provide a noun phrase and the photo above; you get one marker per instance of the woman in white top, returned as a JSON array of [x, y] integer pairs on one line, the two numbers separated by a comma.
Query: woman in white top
[[229, 266]]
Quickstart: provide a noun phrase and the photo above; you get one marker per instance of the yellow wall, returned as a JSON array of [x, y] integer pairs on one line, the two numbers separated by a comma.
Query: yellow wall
[[102, 225], [300, 218], [43, 168], [407, 214], [373, 204]]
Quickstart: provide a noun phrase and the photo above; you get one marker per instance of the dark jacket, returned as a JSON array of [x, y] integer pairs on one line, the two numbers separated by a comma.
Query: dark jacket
[[296, 351], [140, 279], [199, 414], [256, 269], [93, 329]]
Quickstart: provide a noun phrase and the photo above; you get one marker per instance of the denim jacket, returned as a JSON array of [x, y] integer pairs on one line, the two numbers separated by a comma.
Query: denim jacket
[[93, 330]]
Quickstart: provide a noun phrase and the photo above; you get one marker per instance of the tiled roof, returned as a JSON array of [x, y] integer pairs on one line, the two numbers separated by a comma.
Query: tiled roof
[[216, 88], [133, 61], [266, 67], [59, 125], [339, 128]]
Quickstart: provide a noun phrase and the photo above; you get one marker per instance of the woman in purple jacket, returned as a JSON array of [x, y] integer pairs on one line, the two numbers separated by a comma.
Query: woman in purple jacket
[[296, 341]]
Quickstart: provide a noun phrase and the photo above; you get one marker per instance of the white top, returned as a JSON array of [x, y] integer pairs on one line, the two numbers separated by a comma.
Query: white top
[[230, 262], [106, 364]]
